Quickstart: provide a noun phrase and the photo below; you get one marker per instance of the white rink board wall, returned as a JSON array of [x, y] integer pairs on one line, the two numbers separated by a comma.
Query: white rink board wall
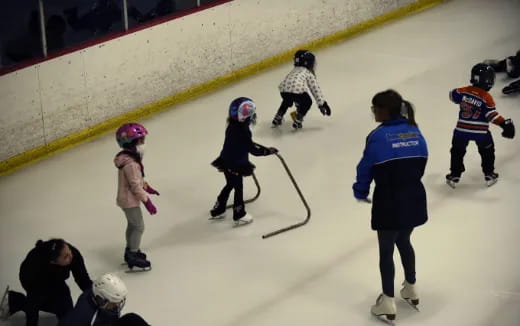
[[61, 96]]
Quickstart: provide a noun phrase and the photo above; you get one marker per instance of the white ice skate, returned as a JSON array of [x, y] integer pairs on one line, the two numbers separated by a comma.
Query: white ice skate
[[409, 294], [4, 305], [491, 179], [384, 309], [244, 220], [452, 180]]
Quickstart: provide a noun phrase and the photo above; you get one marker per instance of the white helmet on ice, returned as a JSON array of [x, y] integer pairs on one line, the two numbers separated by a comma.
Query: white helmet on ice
[[110, 288]]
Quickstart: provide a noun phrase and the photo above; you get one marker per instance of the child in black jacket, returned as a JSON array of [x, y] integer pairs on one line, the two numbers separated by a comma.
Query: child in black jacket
[[234, 159]]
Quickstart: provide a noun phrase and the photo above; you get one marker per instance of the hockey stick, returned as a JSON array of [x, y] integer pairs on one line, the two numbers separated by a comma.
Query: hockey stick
[[258, 190], [297, 225]]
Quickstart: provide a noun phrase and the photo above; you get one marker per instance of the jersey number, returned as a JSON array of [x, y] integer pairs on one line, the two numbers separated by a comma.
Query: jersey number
[[467, 111]]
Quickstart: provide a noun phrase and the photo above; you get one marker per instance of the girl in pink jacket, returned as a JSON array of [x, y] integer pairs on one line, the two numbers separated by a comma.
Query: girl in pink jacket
[[133, 190]]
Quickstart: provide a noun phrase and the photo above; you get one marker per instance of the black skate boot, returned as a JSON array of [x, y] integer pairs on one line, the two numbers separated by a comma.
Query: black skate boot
[[139, 253], [277, 120], [135, 260], [452, 180], [514, 87], [491, 179], [297, 120], [218, 211]]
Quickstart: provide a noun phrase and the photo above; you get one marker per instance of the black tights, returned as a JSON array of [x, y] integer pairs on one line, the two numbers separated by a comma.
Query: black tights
[[233, 181], [387, 239], [303, 103]]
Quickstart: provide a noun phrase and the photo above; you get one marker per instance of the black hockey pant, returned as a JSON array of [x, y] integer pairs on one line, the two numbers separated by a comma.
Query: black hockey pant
[[303, 103], [59, 302], [233, 182], [387, 240], [486, 149]]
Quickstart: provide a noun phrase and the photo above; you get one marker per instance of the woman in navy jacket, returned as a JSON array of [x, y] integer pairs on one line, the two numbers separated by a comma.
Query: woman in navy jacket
[[394, 158]]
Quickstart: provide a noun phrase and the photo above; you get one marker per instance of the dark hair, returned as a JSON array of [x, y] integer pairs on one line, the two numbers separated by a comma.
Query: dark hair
[[132, 145], [51, 248], [391, 101]]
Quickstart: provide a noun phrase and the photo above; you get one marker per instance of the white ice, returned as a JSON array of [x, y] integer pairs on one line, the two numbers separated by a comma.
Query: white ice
[[326, 273]]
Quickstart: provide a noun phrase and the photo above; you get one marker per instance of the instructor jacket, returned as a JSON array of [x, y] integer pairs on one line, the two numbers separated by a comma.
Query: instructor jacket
[[395, 158]]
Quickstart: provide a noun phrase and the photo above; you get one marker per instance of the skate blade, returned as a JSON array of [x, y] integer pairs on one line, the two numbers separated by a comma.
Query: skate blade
[[413, 303], [238, 224], [452, 184], [388, 319], [4, 315], [217, 218], [138, 270], [491, 182]]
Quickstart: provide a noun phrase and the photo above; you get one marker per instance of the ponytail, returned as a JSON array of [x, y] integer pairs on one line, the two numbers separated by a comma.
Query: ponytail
[[409, 113]]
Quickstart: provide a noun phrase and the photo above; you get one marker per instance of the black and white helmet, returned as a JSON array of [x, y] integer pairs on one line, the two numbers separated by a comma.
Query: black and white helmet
[[304, 58], [483, 76]]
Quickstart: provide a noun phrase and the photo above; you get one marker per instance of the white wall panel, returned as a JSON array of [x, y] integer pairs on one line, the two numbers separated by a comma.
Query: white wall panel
[[92, 85], [63, 94], [21, 124]]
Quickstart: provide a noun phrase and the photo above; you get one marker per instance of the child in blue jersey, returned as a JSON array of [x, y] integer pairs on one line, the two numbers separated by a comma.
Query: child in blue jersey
[[477, 109], [395, 157]]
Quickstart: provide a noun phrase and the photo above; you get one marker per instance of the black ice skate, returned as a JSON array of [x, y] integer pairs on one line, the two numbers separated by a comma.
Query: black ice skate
[[514, 87], [218, 212], [297, 120], [4, 305], [452, 180], [139, 253], [491, 179], [278, 119], [135, 260]]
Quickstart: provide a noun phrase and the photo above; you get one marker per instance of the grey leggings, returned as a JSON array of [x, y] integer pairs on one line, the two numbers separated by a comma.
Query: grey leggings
[[135, 227]]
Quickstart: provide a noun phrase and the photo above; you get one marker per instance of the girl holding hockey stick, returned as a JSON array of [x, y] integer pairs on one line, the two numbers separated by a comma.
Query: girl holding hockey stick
[[233, 160]]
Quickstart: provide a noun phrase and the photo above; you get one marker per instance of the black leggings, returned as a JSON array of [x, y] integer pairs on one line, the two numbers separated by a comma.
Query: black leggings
[[387, 239], [233, 181], [59, 303], [303, 103], [486, 149]]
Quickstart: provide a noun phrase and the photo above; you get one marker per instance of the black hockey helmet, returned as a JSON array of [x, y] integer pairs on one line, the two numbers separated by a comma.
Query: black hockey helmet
[[304, 58], [483, 76]]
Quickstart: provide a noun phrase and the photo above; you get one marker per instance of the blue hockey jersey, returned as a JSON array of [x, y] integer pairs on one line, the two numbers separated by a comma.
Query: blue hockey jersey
[[477, 109], [395, 158]]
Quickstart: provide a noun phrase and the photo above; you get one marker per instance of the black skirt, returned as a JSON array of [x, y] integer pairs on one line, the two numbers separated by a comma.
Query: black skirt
[[244, 170]]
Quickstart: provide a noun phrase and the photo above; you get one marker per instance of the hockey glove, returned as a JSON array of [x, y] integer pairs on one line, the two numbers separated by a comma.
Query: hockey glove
[[509, 129], [325, 109], [150, 190], [150, 207]]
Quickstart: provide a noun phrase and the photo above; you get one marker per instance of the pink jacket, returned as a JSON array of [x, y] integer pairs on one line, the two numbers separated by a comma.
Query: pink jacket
[[130, 188]]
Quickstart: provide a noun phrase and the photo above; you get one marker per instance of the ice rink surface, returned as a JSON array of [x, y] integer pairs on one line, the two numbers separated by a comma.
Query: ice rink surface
[[326, 273]]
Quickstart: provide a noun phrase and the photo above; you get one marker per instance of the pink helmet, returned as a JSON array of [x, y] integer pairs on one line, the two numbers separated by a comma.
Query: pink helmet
[[129, 132]]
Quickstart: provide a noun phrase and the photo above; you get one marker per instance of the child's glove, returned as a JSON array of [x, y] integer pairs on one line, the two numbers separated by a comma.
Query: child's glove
[[150, 207], [270, 151], [325, 109], [508, 129], [150, 190]]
